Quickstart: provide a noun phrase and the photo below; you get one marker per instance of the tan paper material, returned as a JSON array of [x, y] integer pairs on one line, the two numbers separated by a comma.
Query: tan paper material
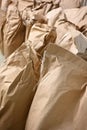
[[66, 34], [74, 41], [43, 81], [60, 100], [53, 15], [40, 35], [2, 22], [14, 31], [23, 4], [18, 82], [5, 4], [71, 3], [78, 17]]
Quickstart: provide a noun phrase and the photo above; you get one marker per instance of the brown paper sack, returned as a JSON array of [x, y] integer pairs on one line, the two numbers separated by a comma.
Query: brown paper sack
[[60, 102], [18, 79], [13, 32]]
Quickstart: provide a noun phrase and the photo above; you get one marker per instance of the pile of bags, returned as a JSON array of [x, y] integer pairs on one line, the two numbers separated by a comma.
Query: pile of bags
[[43, 78]]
